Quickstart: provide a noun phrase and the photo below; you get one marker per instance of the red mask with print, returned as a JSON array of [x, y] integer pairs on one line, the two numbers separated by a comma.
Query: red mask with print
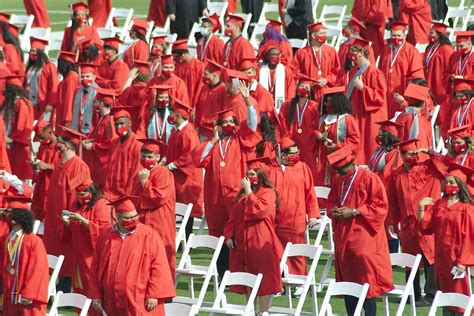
[[162, 103], [322, 39], [346, 33], [303, 92], [167, 73], [59, 149], [274, 59], [463, 50], [148, 163], [396, 41], [130, 225], [45, 141], [85, 199], [33, 56], [411, 160], [451, 189], [459, 148], [207, 81], [228, 32], [352, 56], [156, 51], [170, 120], [80, 20], [253, 180], [293, 159], [123, 130], [86, 83], [228, 130]]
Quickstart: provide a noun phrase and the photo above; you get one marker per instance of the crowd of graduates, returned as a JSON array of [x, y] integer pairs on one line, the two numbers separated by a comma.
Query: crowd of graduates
[[244, 135]]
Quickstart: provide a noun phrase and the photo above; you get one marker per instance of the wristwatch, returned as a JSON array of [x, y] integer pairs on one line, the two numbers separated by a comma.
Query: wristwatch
[[354, 212]]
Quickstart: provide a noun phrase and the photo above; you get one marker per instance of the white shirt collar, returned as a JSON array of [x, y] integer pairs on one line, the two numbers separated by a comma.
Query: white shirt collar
[[179, 128], [16, 233]]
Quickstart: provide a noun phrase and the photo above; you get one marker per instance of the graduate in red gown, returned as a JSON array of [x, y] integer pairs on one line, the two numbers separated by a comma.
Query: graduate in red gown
[[318, 60], [129, 269], [158, 48], [400, 62], [157, 12], [169, 78], [17, 113], [80, 30], [12, 53], [99, 11], [273, 32], [4, 161], [417, 14], [223, 158], [139, 50], [189, 69], [451, 221], [41, 80], [39, 10], [265, 102], [67, 175], [414, 124], [188, 180], [337, 128], [462, 111], [66, 88], [83, 117], [210, 46], [25, 271], [113, 72], [352, 32], [237, 47], [250, 234], [460, 142], [120, 174], [418, 177], [374, 14], [97, 146], [157, 198], [46, 159], [89, 218], [358, 206], [461, 62], [300, 117]]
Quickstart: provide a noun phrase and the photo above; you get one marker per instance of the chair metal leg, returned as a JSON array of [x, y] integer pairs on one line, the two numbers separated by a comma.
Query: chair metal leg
[[385, 305], [325, 273]]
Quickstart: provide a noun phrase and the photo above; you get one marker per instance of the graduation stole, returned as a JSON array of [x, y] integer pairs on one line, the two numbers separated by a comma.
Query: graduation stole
[[205, 43], [415, 126], [87, 110], [14, 252], [33, 84], [378, 160], [350, 86], [278, 85], [341, 134]]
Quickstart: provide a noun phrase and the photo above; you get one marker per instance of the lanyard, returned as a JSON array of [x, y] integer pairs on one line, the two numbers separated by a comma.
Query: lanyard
[[159, 125], [222, 150], [431, 53], [462, 66], [346, 192], [300, 115], [204, 45], [392, 57], [463, 158], [461, 119], [12, 249], [320, 61]]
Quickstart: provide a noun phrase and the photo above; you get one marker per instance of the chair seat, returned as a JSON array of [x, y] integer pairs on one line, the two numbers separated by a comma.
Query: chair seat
[[193, 271], [285, 311], [327, 252], [294, 280], [397, 291], [189, 301], [228, 311]]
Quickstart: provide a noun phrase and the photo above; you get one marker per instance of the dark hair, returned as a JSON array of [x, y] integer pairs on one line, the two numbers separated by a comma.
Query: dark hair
[[388, 139], [23, 217], [69, 142], [89, 54], [236, 121], [65, 66], [443, 39], [142, 77], [9, 38], [268, 133], [344, 166], [74, 27], [294, 104], [263, 181], [11, 93], [140, 36], [41, 58], [108, 47], [96, 193], [339, 102], [357, 48], [464, 193], [286, 151], [180, 52]]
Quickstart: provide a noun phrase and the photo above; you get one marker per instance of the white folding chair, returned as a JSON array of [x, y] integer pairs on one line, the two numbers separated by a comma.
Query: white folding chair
[[54, 263], [257, 32], [55, 42], [189, 270], [433, 117], [268, 8], [200, 224], [25, 21], [218, 8], [297, 42], [314, 4], [105, 33], [70, 300], [344, 288], [306, 281], [440, 148], [192, 39], [421, 47], [182, 212], [220, 305], [173, 309], [334, 37], [334, 14], [460, 18], [120, 13], [452, 300], [321, 193], [403, 260], [36, 226], [247, 18]]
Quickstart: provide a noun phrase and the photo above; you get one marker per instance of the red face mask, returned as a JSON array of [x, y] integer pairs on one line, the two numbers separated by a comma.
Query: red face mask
[[396, 41], [451, 189], [148, 163], [33, 56], [379, 140], [293, 159], [411, 160], [463, 50], [207, 80], [156, 51], [322, 39], [252, 77], [170, 120], [122, 130], [130, 224], [253, 180], [80, 20], [228, 32], [228, 130], [328, 106], [83, 200], [167, 73], [352, 56], [107, 55], [45, 141], [59, 149], [274, 60], [303, 92], [346, 33], [162, 103], [460, 101], [86, 83], [433, 38], [459, 148]]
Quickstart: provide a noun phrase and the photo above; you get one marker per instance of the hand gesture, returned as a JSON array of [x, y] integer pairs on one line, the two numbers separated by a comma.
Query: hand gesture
[[321, 82], [330, 146], [217, 132], [321, 136], [87, 145], [358, 83], [244, 89], [312, 222], [75, 217], [426, 201], [245, 184], [150, 304], [172, 16], [133, 73], [398, 98], [143, 175]]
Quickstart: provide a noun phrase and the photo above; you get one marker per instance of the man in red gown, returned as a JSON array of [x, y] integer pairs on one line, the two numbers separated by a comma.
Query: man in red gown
[[39, 10], [265, 102], [82, 112], [234, 98], [157, 198], [237, 47], [130, 272], [461, 63], [358, 206], [99, 11], [351, 32], [210, 46], [113, 72], [67, 88], [417, 14]]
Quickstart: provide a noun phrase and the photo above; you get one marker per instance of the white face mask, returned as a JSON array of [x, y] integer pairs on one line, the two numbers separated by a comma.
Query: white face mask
[[204, 31]]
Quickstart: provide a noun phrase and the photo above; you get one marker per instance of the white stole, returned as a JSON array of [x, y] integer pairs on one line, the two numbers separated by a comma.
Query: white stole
[[279, 83]]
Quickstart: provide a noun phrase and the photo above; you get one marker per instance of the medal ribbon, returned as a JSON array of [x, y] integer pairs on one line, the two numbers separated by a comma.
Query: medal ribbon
[[375, 158], [222, 150], [463, 66], [300, 114], [349, 186], [320, 61], [392, 57], [461, 119], [430, 54]]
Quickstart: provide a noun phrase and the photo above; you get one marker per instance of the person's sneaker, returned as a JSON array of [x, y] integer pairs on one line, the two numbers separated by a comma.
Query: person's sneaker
[[429, 299], [421, 302], [298, 292]]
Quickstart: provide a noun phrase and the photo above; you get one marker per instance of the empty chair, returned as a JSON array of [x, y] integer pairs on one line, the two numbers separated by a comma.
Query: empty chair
[[54, 263], [179, 309], [105, 33], [70, 300], [403, 291], [452, 300], [220, 305], [297, 43], [218, 8], [183, 211], [268, 8], [122, 14], [332, 16], [460, 18], [344, 288], [25, 22]]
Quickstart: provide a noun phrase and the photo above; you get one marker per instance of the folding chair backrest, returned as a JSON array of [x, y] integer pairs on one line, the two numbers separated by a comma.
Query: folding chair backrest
[[345, 288], [183, 212], [218, 8], [258, 30], [70, 300], [238, 278], [268, 8], [178, 309], [297, 42], [192, 39], [105, 33], [120, 13], [314, 4], [247, 18], [335, 13], [55, 264], [41, 32], [453, 300]]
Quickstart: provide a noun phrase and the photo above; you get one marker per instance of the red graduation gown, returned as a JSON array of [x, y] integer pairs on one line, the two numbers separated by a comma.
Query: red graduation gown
[[424, 129], [125, 272], [436, 62], [179, 89], [66, 177], [188, 180], [462, 115], [417, 14], [99, 11], [156, 12], [458, 66], [305, 63], [85, 240], [306, 141], [139, 50], [344, 49], [452, 228], [384, 162], [236, 51], [210, 101], [19, 153], [13, 58], [39, 10], [65, 101], [407, 62], [78, 36], [191, 73], [265, 101], [112, 76], [361, 253], [121, 171], [290, 83], [4, 71], [213, 49], [32, 277], [3, 147], [251, 224], [137, 96], [47, 154], [285, 49], [48, 83]]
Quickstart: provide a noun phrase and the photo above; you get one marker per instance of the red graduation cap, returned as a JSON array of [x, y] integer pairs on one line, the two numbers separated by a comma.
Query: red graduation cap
[[181, 44], [275, 24], [71, 135], [439, 27], [356, 25], [88, 41], [315, 27], [408, 145], [68, 56], [142, 65], [463, 84], [389, 126], [159, 39], [269, 45], [167, 60], [180, 107], [333, 90], [235, 19], [361, 43], [87, 68], [463, 36], [106, 95], [416, 91], [5, 17], [161, 88], [38, 43], [460, 132], [229, 74], [225, 113], [248, 63], [463, 173], [214, 19], [286, 142], [121, 111], [152, 145], [86, 183], [398, 26], [213, 66], [16, 80], [38, 128], [18, 201], [79, 6], [113, 42], [341, 157], [140, 26], [257, 163], [305, 79], [124, 204]]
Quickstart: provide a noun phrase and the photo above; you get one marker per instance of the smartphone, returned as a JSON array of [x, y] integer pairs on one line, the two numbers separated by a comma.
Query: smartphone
[[67, 214]]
